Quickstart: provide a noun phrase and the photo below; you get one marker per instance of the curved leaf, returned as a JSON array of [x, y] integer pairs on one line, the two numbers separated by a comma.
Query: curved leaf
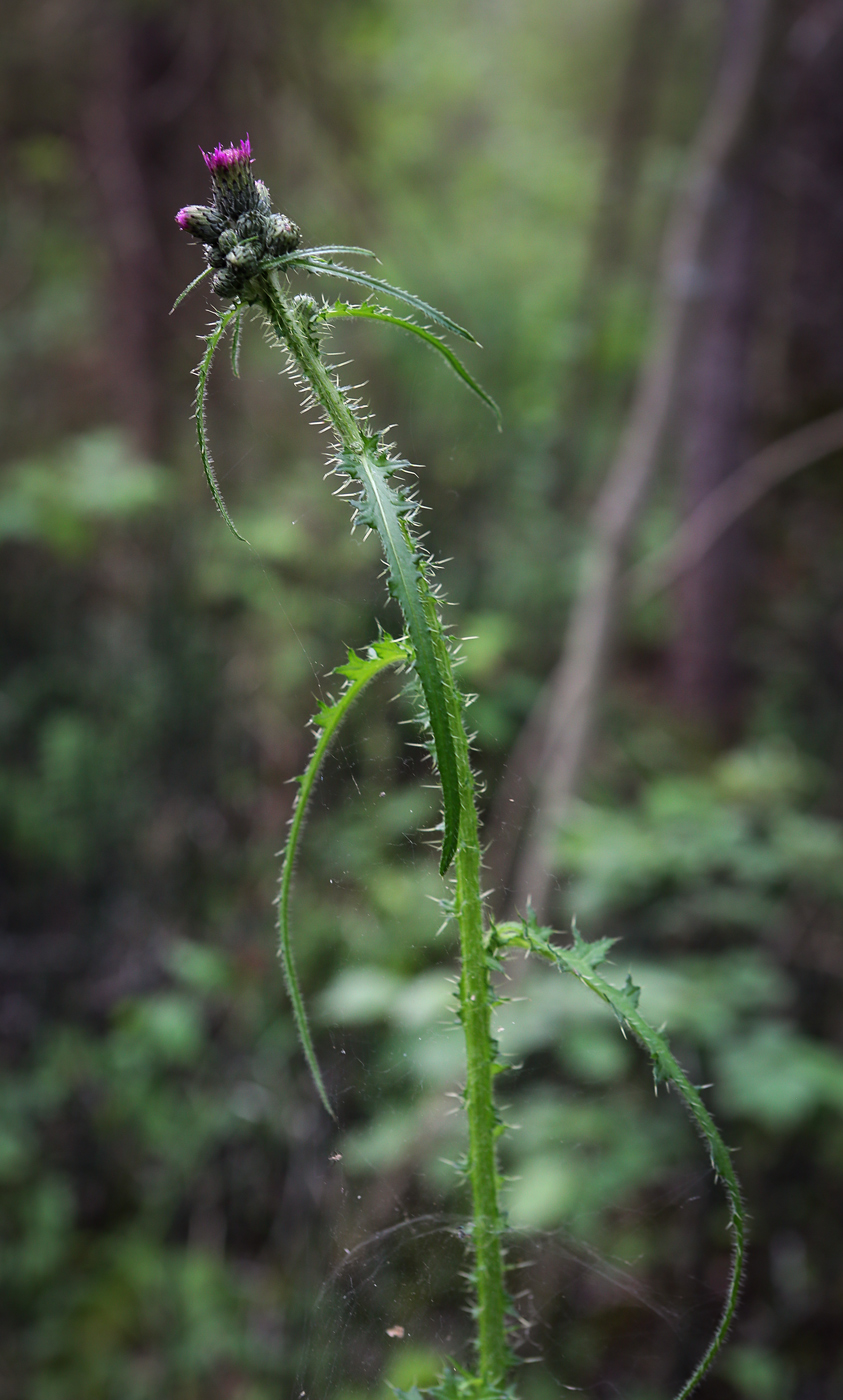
[[189, 288], [582, 960], [348, 274], [383, 508], [235, 344], [331, 248], [375, 313], [358, 670], [291, 259], [388, 508], [202, 371]]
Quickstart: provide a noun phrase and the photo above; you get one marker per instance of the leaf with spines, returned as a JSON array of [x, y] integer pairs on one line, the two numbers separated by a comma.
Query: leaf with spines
[[348, 274], [236, 337], [331, 249], [582, 959], [189, 288], [457, 1383], [202, 372], [376, 313], [358, 672], [383, 507], [630, 995], [292, 259]]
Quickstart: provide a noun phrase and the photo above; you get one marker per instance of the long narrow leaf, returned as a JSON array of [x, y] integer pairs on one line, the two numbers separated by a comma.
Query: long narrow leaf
[[384, 506], [235, 344], [375, 313], [330, 249], [189, 288], [358, 670], [348, 274], [202, 372], [291, 259], [582, 960]]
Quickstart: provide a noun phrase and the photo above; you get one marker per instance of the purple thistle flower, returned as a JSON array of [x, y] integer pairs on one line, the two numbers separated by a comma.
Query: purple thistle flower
[[238, 226], [235, 191], [224, 157]]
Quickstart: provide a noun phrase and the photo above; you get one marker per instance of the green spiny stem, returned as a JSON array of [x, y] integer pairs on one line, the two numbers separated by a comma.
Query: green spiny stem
[[385, 511], [433, 663]]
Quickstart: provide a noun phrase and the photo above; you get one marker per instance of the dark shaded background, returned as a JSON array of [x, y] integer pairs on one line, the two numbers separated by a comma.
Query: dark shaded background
[[180, 1220]]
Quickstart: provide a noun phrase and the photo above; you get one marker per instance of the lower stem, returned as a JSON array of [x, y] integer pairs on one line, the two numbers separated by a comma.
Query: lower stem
[[475, 985], [475, 1010]]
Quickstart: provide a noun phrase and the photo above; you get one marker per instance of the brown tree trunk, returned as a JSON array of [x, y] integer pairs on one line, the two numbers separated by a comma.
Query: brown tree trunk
[[576, 681], [155, 90], [651, 34], [714, 437], [113, 144]]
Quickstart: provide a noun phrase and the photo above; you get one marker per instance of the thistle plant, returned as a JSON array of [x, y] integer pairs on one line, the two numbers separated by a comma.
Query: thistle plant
[[251, 253]]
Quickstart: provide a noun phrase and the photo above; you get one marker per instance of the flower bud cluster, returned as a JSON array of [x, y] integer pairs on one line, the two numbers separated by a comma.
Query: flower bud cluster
[[238, 228]]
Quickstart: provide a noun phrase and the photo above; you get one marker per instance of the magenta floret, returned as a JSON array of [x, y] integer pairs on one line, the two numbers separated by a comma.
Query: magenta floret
[[235, 191], [223, 158]]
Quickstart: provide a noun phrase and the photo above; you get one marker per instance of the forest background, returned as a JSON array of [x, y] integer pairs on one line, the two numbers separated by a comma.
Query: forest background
[[180, 1219]]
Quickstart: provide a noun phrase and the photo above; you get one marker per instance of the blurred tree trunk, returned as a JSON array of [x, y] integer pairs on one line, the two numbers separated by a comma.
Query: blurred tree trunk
[[789, 235], [714, 438], [155, 79], [576, 681], [652, 32], [114, 146]]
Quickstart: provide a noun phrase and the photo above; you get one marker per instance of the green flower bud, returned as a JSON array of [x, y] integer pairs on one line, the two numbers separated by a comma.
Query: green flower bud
[[244, 258], [250, 225], [228, 282], [205, 224], [282, 236]]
